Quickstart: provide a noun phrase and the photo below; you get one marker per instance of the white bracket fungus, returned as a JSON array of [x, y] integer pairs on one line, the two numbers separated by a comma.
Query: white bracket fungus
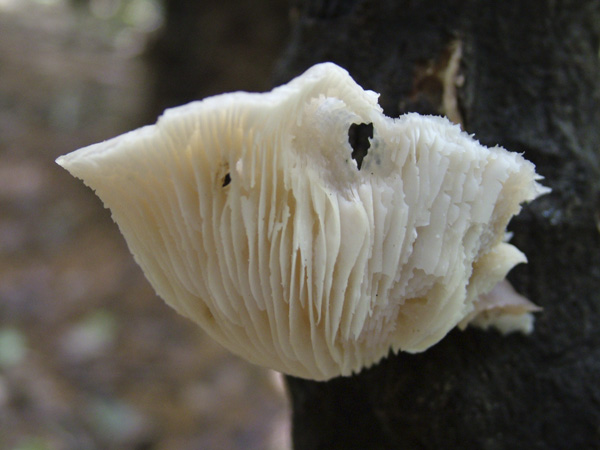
[[248, 214]]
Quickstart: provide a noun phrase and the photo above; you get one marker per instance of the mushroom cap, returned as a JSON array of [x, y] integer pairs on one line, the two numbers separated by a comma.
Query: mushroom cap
[[248, 214]]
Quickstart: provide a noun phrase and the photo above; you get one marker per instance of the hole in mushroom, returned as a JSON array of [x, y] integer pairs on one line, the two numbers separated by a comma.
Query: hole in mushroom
[[226, 179], [358, 137]]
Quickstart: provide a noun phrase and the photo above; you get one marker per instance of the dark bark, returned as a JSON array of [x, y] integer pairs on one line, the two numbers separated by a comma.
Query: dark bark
[[531, 84], [209, 47]]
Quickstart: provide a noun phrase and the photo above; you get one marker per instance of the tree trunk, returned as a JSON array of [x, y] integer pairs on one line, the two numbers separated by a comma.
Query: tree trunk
[[208, 47], [524, 75]]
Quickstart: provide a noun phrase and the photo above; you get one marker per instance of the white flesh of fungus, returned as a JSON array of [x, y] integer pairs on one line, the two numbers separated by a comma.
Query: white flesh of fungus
[[248, 215]]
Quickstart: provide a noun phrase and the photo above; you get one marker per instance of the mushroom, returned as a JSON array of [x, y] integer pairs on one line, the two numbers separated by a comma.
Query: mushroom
[[249, 214]]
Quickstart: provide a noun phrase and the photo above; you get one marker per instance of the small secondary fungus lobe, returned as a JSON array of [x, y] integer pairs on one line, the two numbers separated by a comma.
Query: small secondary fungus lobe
[[248, 214]]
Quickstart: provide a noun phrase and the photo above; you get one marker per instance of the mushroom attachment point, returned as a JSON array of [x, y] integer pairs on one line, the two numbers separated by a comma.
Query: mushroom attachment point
[[249, 215]]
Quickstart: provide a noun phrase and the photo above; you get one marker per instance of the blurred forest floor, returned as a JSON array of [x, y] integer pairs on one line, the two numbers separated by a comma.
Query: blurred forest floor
[[90, 358]]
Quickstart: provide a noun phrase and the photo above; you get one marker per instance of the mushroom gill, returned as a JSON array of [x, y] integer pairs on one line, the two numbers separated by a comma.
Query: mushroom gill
[[249, 215]]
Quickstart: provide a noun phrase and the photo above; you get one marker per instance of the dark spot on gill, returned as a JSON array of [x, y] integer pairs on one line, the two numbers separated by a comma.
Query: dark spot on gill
[[358, 137], [226, 179]]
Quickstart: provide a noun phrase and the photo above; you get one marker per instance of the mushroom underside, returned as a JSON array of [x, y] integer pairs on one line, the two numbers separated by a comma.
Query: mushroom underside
[[252, 215]]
